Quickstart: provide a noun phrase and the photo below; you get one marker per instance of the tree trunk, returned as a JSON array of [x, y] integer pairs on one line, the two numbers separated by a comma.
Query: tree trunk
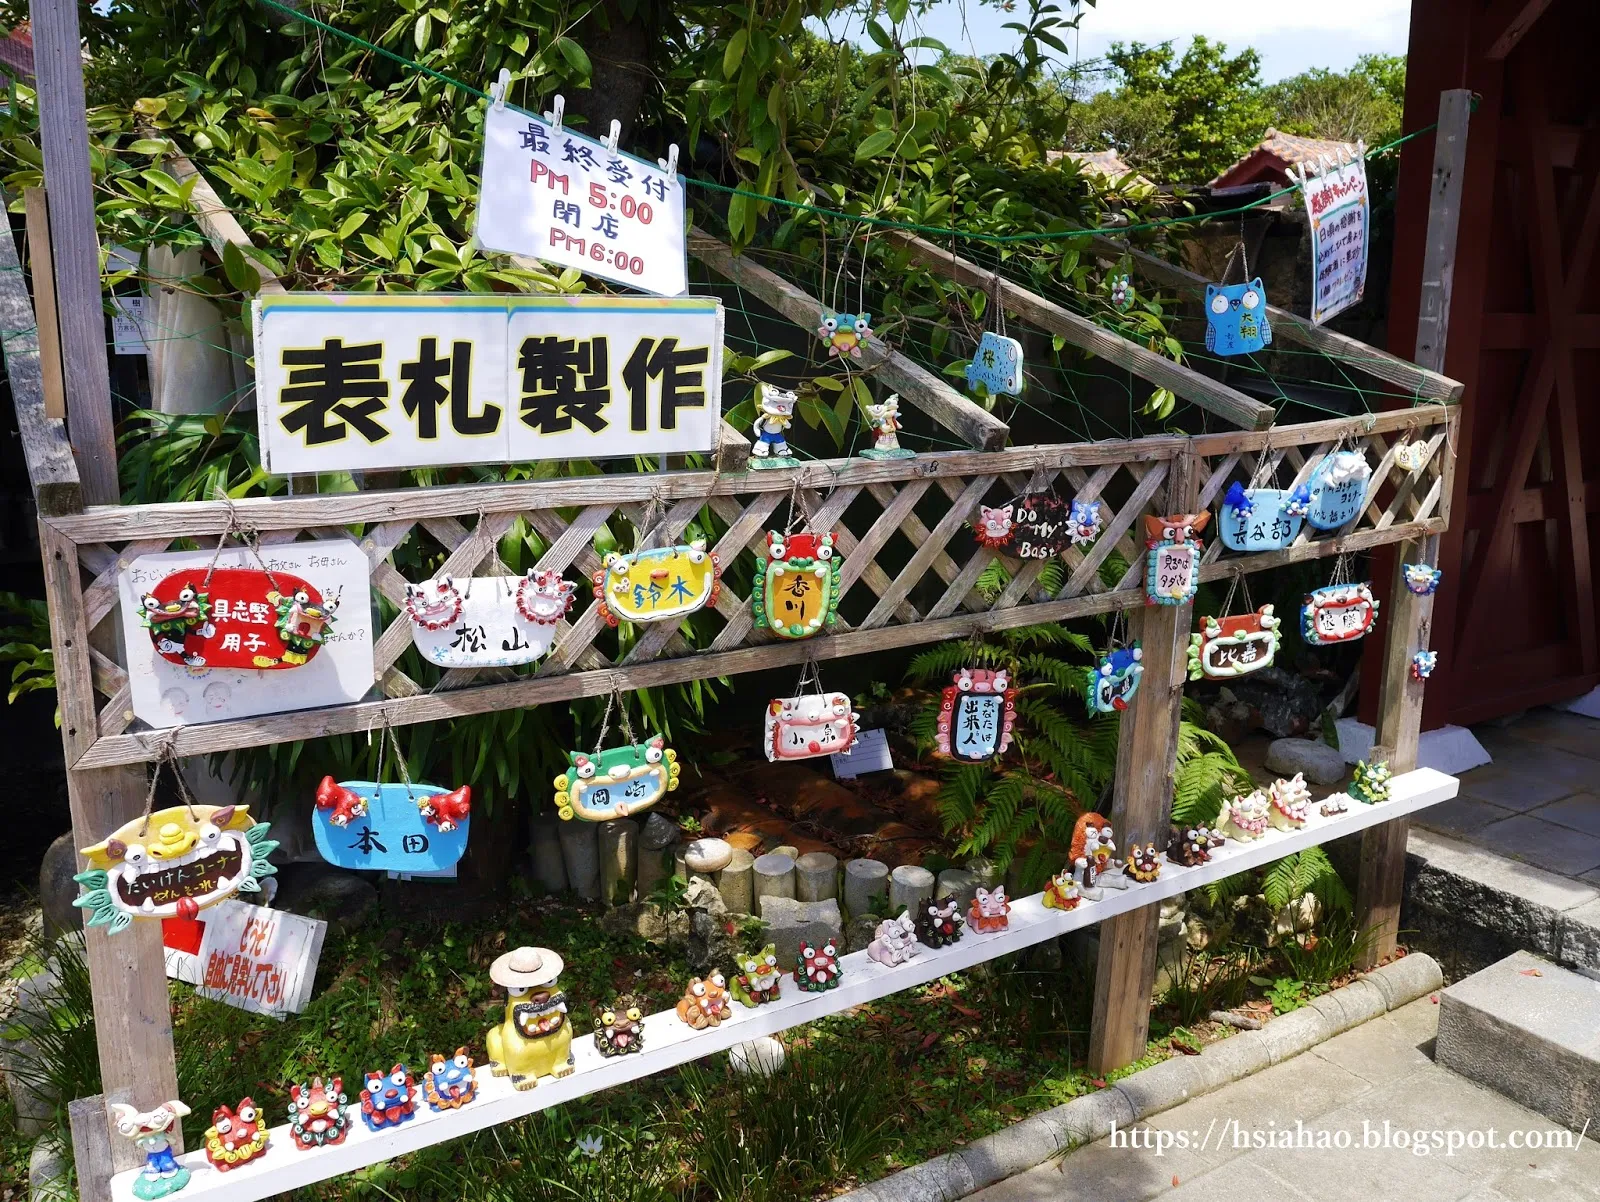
[[621, 76]]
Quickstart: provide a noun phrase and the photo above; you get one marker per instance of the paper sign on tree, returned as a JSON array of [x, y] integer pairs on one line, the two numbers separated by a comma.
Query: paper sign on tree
[[1337, 204]]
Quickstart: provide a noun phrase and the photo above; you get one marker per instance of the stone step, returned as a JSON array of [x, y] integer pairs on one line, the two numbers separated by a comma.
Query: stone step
[[1530, 1030]]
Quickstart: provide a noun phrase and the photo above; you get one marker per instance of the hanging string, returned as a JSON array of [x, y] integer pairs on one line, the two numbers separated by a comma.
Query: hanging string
[[1258, 477], [167, 756], [249, 536]]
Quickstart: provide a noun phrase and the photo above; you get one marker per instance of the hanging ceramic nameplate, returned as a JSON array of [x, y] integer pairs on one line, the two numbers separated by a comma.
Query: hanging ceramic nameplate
[[813, 724], [488, 621], [796, 589], [1338, 613], [173, 865], [976, 715], [240, 645], [1044, 527], [660, 585], [616, 782], [1114, 681], [1338, 489], [1422, 578], [996, 364], [995, 525], [1236, 318], [406, 829], [1234, 646], [1172, 567], [1257, 519]]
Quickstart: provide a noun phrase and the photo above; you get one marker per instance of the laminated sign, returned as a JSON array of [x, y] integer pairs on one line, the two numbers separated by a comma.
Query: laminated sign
[[556, 195], [1336, 202], [348, 382]]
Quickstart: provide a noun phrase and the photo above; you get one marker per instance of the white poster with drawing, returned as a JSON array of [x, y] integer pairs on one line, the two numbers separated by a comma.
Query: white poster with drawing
[[207, 651], [1340, 213]]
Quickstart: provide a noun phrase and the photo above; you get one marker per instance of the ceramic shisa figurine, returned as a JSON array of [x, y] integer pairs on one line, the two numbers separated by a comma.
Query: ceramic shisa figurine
[[235, 1136], [317, 1117], [1336, 803], [816, 969], [705, 1003], [151, 1130], [1291, 803], [450, 1084], [619, 1032], [303, 624], [1370, 782], [895, 940], [774, 414], [535, 1040], [1192, 846], [1245, 817], [388, 1099], [1062, 893], [939, 925], [884, 421], [990, 911], [759, 979], [1091, 852], [1143, 863]]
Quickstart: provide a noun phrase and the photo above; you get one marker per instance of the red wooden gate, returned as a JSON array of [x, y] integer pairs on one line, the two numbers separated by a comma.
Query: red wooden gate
[[1516, 617]]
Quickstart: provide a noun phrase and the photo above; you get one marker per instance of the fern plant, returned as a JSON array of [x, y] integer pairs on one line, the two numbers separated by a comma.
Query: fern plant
[[1062, 760]]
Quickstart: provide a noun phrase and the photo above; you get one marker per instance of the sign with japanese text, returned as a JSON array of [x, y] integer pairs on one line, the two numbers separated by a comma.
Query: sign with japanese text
[[348, 382], [260, 960], [556, 195], [1337, 204], [393, 833], [191, 684]]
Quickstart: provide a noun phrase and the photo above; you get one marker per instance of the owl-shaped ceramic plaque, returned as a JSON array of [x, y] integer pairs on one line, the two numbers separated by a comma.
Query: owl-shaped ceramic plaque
[[996, 364], [663, 584], [1172, 565], [1338, 613], [1236, 318], [976, 715], [1233, 646], [813, 724], [1338, 489], [796, 589], [487, 621]]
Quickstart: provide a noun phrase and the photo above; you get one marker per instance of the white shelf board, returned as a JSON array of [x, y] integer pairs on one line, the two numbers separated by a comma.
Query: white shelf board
[[669, 1042]]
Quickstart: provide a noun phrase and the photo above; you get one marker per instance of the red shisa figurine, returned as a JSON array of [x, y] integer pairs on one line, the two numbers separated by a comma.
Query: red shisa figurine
[[990, 911], [345, 805], [817, 968], [447, 810], [235, 1136]]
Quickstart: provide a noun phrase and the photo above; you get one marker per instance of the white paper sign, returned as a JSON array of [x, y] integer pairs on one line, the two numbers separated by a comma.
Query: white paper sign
[[260, 960], [350, 382], [558, 196], [166, 694], [1337, 204], [869, 753], [127, 326]]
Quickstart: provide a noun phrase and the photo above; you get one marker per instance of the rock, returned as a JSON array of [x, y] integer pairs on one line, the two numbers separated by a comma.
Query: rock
[[763, 1056], [618, 843], [786, 849], [1297, 917], [789, 922], [49, 1168], [57, 889], [580, 853], [987, 872], [22, 1067], [655, 866], [858, 931], [713, 936], [865, 881], [736, 882], [774, 877], [659, 832], [1282, 703], [959, 884], [341, 898], [707, 856], [1321, 764], [909, 887], [748, 841], [544, 848], [646, 920], [1044, 957], [816, 876]]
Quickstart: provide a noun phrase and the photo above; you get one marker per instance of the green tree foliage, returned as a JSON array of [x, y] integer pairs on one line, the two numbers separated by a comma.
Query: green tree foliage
[[1366, 101]]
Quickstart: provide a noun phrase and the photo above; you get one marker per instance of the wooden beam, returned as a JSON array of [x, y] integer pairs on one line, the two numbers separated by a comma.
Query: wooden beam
[[64, 140], [52, 470], [1211, 395], [41, 269], [1147, 751], [216, 222], [1418, 382], [1505, 24], [91, 1147], [919, 388], [1444, 218]]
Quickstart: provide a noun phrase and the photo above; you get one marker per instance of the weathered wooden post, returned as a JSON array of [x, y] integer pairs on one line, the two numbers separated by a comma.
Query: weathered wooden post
[[1383, 848], [1147, 757]]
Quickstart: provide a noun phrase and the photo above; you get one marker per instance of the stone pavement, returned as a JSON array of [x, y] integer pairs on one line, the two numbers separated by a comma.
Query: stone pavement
[[1380, 1071]]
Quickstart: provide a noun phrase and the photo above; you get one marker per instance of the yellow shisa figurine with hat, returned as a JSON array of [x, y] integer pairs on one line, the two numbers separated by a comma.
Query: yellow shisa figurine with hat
[[535, 1040]]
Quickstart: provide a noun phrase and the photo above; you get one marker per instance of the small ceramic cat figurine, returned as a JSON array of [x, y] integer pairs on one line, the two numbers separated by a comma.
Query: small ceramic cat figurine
[[895, 941], [995, 525], [1291, 802], [990, 911]]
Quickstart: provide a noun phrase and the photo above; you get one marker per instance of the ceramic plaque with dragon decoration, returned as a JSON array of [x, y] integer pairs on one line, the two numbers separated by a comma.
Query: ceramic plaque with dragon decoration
[[1338, 489], [406, 828], [487, 621], [658, 585], [809, 725], [1233, 646], [976, 715], [617, 782], [796, 589]]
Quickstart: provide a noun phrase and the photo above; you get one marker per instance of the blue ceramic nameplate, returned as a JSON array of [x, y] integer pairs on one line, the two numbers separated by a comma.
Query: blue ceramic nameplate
[[393, 835], [1265, 525], [1338, 489]]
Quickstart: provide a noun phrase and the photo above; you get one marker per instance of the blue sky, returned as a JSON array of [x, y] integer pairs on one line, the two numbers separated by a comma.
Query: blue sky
[[1291, 35]]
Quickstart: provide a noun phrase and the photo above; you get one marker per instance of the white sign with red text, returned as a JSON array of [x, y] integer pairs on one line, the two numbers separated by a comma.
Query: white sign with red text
[[1337, 204], [260, 960], [556, 195]]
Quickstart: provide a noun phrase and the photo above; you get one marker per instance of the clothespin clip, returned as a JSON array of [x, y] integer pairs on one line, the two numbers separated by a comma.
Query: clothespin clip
[[670, 163], [1361, 149], [555, 115], [499, 88], [611, 139]]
